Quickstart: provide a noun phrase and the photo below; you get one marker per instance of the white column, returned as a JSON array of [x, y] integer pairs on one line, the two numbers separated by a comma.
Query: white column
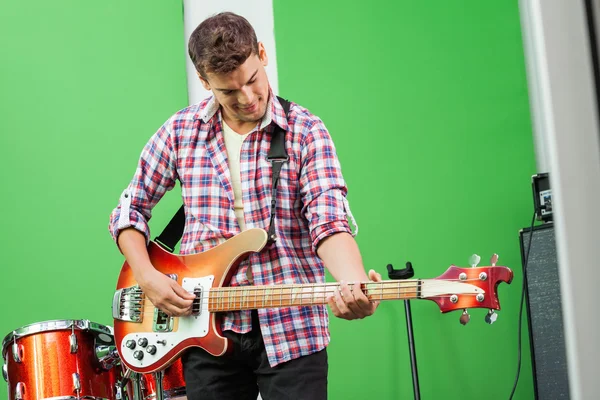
[[565, 105], [258, 12]]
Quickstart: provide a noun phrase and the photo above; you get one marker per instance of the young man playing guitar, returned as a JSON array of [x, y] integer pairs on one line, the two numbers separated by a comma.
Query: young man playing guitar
[[218, 150]]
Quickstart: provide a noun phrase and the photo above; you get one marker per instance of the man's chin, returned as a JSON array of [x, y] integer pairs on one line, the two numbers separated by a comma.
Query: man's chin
[[253, 116]]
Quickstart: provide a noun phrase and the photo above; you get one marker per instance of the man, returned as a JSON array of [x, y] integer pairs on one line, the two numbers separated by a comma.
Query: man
[[217, 150]]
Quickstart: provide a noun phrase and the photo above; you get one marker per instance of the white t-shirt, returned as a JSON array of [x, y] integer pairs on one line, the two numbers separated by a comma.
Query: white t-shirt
[[233, 144]]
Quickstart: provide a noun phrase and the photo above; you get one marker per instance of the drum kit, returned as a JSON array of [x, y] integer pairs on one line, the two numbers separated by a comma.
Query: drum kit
[[77, 359]]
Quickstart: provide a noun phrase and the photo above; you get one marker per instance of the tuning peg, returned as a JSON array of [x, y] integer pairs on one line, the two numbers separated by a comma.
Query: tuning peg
[[491, 317], [465, 317], [474, 260], [494, 260]]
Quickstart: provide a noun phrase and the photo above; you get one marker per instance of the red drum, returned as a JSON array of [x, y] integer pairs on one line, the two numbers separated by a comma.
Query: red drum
[[67, 359], [173, 383]]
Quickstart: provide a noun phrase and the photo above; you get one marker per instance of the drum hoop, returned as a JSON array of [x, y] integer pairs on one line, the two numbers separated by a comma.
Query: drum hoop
[[169, 394], [74, 398], [54, 325]]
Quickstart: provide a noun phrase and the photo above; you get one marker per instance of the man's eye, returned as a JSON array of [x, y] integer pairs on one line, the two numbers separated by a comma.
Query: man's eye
[[227, 92]]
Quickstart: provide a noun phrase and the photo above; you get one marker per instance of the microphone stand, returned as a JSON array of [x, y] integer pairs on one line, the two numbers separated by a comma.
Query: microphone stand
[[400, 274]]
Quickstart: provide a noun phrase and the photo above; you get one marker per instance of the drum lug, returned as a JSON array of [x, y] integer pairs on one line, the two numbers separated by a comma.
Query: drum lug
[[5, 372], [118, 391], [17, 352], [73, 341], [76, 383], [19, 391]]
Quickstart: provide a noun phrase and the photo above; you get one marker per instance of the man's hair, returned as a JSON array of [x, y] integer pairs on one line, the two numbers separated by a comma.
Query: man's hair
[[221, 43]]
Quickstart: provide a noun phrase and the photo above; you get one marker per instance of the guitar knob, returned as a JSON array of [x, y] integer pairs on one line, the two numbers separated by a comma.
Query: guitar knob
[[130, 344], [138, 354], [143, 342], [151, 349]]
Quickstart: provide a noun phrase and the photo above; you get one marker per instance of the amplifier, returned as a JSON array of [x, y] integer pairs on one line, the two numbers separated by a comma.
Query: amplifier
[[544, 314]]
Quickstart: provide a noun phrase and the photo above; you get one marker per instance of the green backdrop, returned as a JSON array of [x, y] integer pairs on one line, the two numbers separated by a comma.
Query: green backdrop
[[427, 104]]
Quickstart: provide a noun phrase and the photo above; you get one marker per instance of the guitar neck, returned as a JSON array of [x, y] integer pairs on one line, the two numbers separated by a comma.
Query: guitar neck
[[254, 297]]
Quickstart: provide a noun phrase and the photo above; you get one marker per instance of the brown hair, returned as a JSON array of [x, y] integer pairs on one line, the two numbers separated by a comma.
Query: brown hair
[[221, 43]]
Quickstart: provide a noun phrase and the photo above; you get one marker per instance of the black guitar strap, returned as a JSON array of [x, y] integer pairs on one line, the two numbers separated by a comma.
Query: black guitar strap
[[277, 156]]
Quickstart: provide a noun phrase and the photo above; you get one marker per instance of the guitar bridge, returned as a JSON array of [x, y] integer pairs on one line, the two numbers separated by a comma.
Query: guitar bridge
[[128, 304]]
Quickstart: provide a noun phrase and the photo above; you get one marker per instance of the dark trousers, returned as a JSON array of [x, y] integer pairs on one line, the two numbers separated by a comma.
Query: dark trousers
[[240, 374]]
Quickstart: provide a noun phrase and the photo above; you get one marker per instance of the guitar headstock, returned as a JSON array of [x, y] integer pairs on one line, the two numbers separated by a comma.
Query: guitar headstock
[[464, 288]]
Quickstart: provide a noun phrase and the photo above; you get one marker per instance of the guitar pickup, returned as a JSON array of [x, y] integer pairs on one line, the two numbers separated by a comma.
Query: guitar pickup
[[197, 303], [162, 322]]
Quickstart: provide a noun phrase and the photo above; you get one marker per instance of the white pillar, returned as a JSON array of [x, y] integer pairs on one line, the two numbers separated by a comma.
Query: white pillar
[[565, 104], [258, 12]]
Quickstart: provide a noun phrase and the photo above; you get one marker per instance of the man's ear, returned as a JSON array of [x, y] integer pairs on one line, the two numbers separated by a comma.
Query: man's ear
[[204, 82], [262, 54]]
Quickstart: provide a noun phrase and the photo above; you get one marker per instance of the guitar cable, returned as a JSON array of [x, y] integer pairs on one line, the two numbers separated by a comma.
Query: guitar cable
[[521, 307]]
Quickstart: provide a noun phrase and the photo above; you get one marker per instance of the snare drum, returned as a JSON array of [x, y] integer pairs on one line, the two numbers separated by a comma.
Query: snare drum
[[173, 383], [67, 359]]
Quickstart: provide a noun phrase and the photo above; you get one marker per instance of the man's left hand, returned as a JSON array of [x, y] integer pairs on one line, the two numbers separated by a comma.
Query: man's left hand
[[349, 302]]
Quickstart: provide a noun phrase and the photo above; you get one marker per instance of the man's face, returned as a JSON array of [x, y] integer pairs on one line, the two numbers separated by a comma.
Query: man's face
[[243, 93]]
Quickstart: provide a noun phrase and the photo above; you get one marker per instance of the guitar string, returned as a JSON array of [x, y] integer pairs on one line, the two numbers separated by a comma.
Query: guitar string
[[222, 297], [391, 285], [316, 288], [288, 299], [252, 293]]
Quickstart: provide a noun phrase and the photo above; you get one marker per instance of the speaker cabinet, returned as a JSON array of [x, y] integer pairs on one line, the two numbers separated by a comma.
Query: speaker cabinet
[[545, 313]]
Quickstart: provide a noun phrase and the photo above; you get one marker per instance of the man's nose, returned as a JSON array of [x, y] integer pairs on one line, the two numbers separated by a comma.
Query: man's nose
[[245, 97]]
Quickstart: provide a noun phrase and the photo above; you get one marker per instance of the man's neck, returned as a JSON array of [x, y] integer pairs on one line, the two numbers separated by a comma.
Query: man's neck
[[240, 127]]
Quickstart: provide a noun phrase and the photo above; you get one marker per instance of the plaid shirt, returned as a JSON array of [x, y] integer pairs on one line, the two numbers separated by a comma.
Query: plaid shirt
[[311, 205]]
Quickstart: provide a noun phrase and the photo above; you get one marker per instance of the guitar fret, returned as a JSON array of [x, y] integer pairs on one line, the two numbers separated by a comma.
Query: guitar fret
[[266, 297], [281, 296]]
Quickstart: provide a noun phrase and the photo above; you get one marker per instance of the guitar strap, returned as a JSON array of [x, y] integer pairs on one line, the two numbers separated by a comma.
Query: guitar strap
[[277, 156]]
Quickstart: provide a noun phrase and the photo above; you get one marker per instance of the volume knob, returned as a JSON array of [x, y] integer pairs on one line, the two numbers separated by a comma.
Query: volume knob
[[143, 342], [130, 344], [138, 354]]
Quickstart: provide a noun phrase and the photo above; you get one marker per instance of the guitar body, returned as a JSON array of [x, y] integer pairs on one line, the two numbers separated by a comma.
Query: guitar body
[[138, 325]]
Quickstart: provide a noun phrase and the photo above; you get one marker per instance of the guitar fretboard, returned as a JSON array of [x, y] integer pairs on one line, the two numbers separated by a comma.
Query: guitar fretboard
[[254, 297]]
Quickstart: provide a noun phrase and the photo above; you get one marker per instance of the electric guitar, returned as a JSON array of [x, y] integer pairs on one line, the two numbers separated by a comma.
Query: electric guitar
[[149, 340]]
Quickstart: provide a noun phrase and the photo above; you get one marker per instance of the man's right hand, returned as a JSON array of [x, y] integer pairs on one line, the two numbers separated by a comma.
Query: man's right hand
[[166, 294], [162, 291]]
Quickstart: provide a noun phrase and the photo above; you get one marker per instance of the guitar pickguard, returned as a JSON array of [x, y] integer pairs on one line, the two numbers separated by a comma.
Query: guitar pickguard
[[142, 349]]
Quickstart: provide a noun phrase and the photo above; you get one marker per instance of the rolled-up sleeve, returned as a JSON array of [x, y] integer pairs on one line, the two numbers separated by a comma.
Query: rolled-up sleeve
[[155, 174], [322, 186]]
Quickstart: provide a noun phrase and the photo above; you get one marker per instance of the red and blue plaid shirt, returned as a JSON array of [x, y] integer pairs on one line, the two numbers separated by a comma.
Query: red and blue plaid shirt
[[311, 205]]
